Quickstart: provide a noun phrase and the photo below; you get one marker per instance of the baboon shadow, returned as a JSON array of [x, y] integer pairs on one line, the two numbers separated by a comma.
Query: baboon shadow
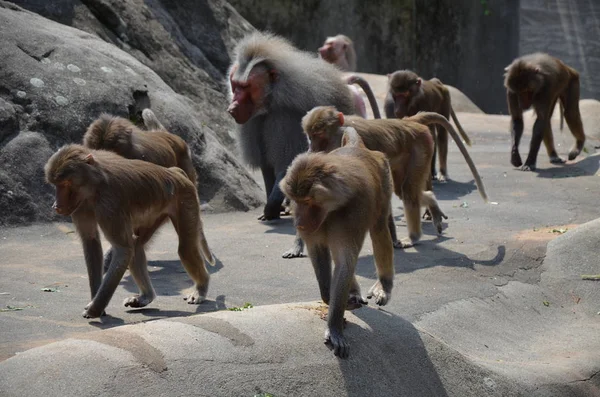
[[586, 167], [453, 190], [170, 278], [388, 358], [284, 225], [428, 255]]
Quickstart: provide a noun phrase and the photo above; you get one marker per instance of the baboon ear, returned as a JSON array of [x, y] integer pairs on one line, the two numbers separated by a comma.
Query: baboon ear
[[341, 118], [90, 159], [418, 81]]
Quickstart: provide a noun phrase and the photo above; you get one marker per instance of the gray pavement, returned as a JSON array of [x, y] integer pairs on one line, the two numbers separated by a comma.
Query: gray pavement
[[484, 309]]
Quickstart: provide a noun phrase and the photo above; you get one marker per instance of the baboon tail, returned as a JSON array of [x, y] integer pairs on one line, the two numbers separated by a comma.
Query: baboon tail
[[354, 79], [429, 118], [462, 132], [351, 138], [151, 121]]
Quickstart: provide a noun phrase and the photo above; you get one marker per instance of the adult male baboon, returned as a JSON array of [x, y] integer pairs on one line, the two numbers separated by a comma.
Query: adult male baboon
[[339, 51], [338, 197], [121, 136], [408, 94], [272, 85], [408, 145], [129, 200], [541, 80]]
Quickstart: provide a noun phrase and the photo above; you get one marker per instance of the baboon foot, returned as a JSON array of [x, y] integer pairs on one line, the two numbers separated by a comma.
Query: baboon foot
[[557, 160], [438, 215], [528, 167], [427, 215], [404, 243], [338, 343], [138, 301], [355, 301], [293, 252], [515, 159], [92, 312], [378, 292], [574, 153], [442, 178], [197, 297]]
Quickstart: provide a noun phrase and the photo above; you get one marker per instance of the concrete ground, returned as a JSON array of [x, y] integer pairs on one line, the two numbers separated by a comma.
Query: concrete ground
[[494, 306]]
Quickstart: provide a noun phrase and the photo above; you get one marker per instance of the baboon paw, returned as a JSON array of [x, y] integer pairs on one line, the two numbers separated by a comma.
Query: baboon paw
[[441, 178], [427, 215], [137, 301], [91, 312], [515, 160], [528, 167], [355, 301], [404, 243], [336, 341], [573, 154], [292, 253], [195, 298], [558, 160], [379, 294]]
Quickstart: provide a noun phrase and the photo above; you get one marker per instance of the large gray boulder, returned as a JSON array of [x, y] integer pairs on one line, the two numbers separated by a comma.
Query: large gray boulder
[[55, 80]]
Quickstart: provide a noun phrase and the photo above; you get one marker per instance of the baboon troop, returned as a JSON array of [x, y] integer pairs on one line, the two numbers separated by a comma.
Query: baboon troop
[[303, 123]]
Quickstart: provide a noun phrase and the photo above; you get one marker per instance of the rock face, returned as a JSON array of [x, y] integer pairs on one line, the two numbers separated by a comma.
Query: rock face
[[55, 80]]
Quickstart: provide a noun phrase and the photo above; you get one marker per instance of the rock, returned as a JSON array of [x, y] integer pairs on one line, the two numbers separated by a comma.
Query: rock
[[187, 43], [55, 80]]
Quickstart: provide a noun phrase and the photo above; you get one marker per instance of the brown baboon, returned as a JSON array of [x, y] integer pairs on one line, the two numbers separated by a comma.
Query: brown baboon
[[339, 51], [408, 94], [338, 197], [541, 80], [272, 85], [129, 200], [121, 136], [408, 146]]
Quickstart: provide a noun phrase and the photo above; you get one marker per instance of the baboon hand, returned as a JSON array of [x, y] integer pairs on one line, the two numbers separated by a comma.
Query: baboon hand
[[336, 341]]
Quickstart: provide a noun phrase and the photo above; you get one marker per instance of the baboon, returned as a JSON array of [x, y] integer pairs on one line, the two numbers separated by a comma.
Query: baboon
[[151, 121], [541, 80], [408, 145], [408, 94], [272, 85], [338, 197], [129, 200], [121, 136], [339, 51]]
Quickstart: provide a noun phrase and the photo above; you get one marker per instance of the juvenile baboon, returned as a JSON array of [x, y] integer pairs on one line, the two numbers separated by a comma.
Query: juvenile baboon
[[408, 145], [119, 135], [339, 51], [129, 200], [272, 85], [541, 80], [151, 121], [408, 94], [338, 197]]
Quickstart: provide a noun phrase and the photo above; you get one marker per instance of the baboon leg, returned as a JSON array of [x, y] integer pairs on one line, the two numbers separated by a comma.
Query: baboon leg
[[297, 249], [549, 143], [321, 261], [570, 101], [186, 223], [541, 127], [412, 214], [392, 229], [432, 130], [383, 252], [430, 202], [516, 127], [139, 268], [85, 223], [343, 274], [442, 145]]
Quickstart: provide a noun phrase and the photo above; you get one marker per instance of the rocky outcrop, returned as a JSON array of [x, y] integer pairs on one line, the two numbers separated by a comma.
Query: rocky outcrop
[[55, 80]]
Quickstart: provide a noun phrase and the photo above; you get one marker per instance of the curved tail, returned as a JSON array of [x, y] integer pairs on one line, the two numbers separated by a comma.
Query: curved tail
[[462, 132], [428, 118], [151, 121], [354, 79]]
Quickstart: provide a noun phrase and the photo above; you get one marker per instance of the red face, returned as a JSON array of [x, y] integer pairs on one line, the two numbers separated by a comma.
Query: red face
[[318, 141], [309, 216], [400, 103], [66, 198], [248, 96]]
